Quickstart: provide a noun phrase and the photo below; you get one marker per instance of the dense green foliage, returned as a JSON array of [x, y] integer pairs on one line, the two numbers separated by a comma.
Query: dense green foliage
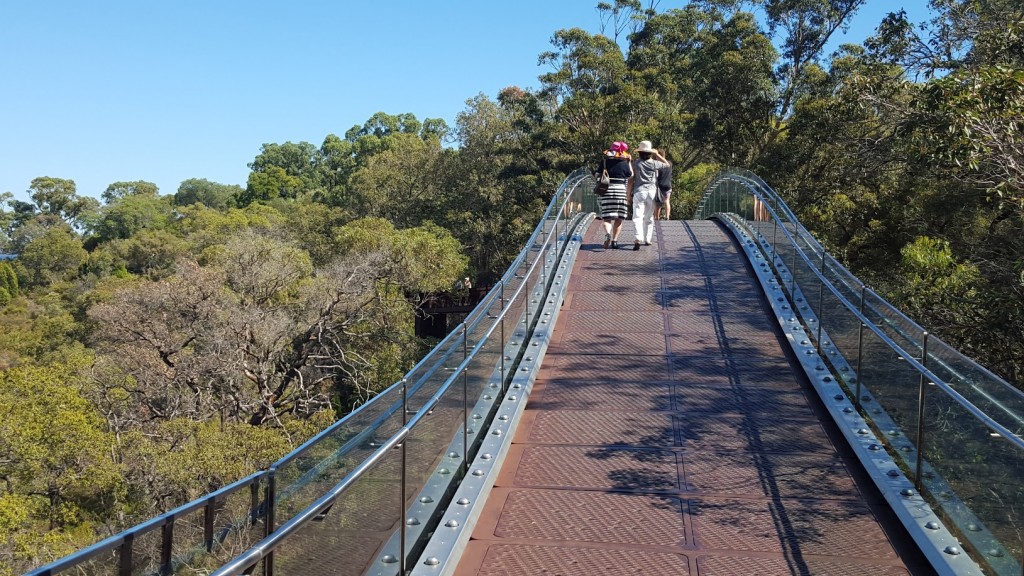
[[178, 342]]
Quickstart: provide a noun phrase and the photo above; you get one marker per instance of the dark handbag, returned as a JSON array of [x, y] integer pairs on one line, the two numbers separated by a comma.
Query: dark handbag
[[601, 188]]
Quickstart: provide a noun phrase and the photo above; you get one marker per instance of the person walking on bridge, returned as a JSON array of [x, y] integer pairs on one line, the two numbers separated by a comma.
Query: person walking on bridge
[[615, 202], [663, 201], [645, 187]]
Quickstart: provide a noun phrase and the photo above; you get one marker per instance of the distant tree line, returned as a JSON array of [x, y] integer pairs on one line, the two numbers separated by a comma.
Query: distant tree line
[[156, 346]]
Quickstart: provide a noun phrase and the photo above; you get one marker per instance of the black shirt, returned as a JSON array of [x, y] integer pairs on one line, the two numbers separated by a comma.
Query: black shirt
[[618, 167]]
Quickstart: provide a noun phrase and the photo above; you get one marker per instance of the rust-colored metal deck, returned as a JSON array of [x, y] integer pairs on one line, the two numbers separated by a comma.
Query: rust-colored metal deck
[[669, 433]]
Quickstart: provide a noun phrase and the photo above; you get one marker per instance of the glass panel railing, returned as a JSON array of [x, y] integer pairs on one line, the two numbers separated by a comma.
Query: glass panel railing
[[235, 526], [104, 563], [359, 521], [334, 478], [447, 426], [231, 519], [979, 386], [975, 476], [970, 422], [303, 477]]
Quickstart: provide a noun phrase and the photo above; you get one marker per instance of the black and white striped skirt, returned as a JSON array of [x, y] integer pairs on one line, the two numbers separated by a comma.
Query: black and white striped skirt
[[613, 203]]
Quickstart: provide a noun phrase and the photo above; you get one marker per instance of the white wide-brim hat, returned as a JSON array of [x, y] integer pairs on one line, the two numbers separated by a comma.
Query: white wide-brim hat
[[645, 146]]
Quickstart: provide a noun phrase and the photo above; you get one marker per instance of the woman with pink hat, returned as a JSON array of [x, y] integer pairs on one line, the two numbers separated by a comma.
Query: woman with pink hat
[[615, 202]]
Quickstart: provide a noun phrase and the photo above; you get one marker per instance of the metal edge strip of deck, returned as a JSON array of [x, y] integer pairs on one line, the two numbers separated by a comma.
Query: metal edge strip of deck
[[443, 551], [937, 543]]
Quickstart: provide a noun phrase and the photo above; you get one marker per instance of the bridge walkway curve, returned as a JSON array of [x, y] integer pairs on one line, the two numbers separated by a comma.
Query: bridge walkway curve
[[670, 431]]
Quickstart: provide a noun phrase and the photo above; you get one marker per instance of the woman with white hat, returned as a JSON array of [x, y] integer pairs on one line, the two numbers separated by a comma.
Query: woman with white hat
[[646, 166]]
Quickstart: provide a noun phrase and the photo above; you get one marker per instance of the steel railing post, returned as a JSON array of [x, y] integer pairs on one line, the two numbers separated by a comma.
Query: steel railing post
[[559, 224], [525, 293], [821, 298], [208, 520], [465, 400], [166, 546], [504, 342], [920, 412], [860, 347], [792, 270], [402, 481], [125, 555], [543, 256], [270, 495]]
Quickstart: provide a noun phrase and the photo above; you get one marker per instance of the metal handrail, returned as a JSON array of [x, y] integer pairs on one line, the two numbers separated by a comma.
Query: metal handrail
[[766, 193], [266, 546], [720, 200], [126, 537], [432, 362], [908, 357]]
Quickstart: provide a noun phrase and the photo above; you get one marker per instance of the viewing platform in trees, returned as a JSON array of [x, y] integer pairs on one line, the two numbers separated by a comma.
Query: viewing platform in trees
[[436, 310]]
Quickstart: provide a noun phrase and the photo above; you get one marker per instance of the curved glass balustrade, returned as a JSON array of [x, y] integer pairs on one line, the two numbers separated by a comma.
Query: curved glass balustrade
[[382, 472], [953, 426]]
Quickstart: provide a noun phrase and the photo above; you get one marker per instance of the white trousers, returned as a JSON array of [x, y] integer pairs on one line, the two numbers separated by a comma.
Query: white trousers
[[643, 213]]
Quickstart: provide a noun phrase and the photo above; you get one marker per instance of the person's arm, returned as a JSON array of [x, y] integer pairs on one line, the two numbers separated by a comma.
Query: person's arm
[[658, 156]]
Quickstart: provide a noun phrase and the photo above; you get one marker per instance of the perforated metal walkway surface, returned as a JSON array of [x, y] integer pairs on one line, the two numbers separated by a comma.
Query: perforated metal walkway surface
[[669, 433]]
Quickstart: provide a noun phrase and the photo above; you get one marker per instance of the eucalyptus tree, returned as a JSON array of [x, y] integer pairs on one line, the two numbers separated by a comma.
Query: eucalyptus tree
[[120, 190], [397, 183], [950, 39], [7, 219], [621, 16], [910, 146], [662, 58], [57, 486], [281, 171], [55, 256], [57, 199], [292, 171], [588, 84], [807, 27], [124, 216], [965, 128], [255, 334], [8, 282], [210, 194]]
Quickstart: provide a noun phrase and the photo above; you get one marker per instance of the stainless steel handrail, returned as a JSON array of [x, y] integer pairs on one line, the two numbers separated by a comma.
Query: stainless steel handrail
[[126, 537], [555, 213], [722, 201], [266, 546], [907, 356]]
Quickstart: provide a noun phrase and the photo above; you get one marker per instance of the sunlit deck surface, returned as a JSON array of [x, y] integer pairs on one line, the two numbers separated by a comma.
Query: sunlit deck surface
[[670, 431]]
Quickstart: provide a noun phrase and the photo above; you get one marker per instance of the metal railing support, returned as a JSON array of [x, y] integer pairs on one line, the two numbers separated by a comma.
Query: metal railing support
[[821, 298], [270, 495], [208, 517], [860, 348], [401, 498], [125, 555], [465, 400], [792, 269], [166, 546], [922, 383], [504, 376]]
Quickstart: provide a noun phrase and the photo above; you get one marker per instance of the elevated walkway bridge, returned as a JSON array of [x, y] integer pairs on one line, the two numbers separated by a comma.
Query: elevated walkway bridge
[[729, 400]]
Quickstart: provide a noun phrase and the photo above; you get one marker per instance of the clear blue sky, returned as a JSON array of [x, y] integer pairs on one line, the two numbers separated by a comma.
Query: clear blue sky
[[104, 91]]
